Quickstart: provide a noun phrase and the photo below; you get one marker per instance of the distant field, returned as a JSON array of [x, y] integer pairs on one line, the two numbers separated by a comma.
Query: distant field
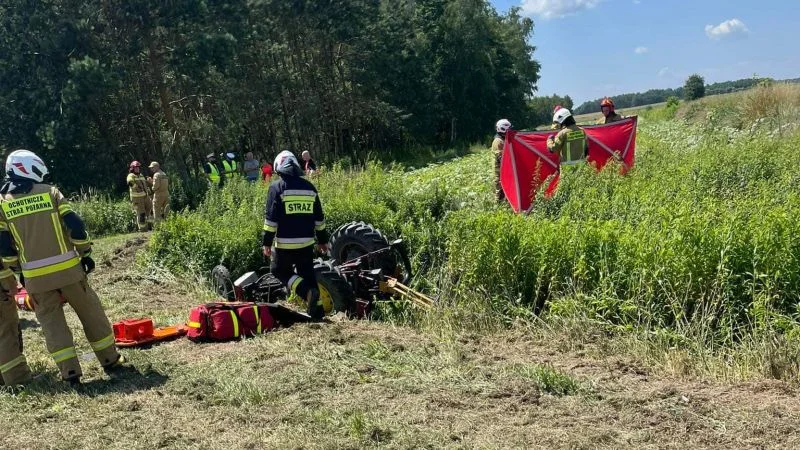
[[592, 117]]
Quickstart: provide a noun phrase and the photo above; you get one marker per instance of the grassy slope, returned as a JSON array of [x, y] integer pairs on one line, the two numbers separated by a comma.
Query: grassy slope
[[358, 384]]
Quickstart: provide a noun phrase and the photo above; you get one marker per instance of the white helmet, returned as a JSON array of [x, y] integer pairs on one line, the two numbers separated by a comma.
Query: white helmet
[[502, 125], [561, 115], [286, 163], [25, 164]]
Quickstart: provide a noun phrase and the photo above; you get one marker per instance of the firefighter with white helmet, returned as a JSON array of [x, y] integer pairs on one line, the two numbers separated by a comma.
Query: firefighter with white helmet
[[501, 127], [570, 141], [140, 193], [293, 223], [45, 242]]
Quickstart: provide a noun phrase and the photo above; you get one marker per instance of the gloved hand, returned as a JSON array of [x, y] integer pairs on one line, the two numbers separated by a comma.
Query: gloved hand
[[88, 264]]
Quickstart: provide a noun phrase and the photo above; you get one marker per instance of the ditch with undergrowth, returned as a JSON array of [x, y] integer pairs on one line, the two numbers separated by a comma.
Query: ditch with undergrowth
[[655, 309]]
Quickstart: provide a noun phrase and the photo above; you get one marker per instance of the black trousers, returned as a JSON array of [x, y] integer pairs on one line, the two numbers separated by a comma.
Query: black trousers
[[295, 269]]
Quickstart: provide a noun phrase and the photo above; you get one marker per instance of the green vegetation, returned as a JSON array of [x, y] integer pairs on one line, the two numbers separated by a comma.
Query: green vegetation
[[694, 88], [92, 85], [699, 239], [654, 96]]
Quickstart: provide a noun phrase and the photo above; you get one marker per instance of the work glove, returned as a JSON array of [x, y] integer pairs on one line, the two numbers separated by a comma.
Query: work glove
[[88, 264]]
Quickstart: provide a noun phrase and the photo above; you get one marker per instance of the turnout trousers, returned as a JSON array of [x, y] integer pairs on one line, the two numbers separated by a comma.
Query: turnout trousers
[[295, 269], [160, 207], [13, 365], [57, 335]]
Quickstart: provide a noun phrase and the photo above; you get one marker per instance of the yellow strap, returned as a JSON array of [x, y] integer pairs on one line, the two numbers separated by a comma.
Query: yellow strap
[[104, 343], [270, 228], [13, 363], [6, 273], [235, 324], [258, 319], [64, 354], [52, 269], [192, 324]]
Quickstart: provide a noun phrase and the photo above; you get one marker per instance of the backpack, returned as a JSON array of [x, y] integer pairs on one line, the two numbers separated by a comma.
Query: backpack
[[223, 321]]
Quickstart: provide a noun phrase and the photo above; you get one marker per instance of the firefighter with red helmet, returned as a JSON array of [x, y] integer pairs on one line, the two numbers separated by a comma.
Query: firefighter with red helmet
[[609, 114], [140, 194], [45, 242]]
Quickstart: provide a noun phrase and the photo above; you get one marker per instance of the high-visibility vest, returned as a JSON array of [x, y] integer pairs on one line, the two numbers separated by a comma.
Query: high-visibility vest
[[213, 174], [229, 167], [574, 148]]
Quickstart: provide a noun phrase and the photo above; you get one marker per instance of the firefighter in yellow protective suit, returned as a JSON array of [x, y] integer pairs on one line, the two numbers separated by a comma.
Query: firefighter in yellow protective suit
[[160, 183], [140, 196], [13, 366], [502, 126], [570, 141], [45, 241], [609, 114]]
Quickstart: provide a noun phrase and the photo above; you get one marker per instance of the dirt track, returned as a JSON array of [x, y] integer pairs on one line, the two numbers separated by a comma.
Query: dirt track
[[356, 384]]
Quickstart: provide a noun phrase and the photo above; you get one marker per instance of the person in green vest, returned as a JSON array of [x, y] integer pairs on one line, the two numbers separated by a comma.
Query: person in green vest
[[229, 166], [570, 141], [215, 174]]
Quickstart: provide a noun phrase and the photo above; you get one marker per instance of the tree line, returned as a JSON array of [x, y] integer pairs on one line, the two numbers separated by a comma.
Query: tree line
[[94, 84], [652, 96]]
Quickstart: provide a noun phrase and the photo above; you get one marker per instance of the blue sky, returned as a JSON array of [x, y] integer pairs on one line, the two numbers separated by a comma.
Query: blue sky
[[592, 48]]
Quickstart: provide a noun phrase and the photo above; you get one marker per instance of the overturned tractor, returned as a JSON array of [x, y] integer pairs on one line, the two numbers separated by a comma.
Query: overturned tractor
[[363, 267]]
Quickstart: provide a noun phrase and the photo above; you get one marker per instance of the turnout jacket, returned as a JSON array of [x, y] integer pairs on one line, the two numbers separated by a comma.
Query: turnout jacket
[[293, 215], [43, 238]]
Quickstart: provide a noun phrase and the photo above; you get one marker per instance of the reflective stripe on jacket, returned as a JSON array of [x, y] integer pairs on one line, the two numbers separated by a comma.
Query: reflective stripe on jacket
[[47, 255]]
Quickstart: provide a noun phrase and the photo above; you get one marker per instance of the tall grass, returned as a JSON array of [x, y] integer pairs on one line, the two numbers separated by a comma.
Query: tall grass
[[102, 214], [700, 238]]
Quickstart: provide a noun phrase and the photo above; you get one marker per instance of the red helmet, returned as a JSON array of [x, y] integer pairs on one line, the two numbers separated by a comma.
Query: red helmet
[[607, 102], [135, 165]]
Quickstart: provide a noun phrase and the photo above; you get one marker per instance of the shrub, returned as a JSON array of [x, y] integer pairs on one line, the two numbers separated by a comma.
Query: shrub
[[104, 215]]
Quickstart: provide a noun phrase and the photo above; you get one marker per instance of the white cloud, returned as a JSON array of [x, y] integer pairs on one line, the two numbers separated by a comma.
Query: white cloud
[[664, 72], [550, 9], [728, 28], [636, 2], [640, 50]]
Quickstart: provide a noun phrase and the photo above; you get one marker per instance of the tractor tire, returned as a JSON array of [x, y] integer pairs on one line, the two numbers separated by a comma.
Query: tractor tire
[[221, 282], [356, 239], [335, 292]]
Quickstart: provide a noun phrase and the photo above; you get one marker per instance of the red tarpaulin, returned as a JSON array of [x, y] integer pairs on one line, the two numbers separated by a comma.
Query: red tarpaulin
[[527, 163]]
